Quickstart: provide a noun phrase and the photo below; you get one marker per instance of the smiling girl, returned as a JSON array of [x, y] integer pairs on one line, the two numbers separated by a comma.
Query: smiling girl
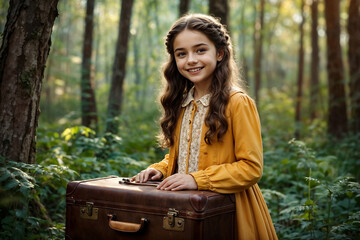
[[210, 125]]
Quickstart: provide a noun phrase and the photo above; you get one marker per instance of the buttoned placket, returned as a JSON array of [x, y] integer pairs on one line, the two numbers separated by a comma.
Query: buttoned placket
[[191, 121]]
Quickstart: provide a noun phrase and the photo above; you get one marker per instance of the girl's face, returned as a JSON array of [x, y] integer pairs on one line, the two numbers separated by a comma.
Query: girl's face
[[196, 57]]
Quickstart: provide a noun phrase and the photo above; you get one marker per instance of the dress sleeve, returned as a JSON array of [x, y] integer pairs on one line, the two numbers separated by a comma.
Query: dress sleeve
[[246, 170], [162, 166]]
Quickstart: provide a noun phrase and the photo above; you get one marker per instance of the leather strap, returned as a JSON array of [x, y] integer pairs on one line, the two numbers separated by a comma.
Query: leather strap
[[148, 183]]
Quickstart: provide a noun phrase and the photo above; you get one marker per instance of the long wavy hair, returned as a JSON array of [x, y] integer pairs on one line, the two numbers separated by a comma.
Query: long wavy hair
[[176, 86]]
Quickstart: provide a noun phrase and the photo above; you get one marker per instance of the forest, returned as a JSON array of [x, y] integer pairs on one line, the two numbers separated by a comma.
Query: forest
[[79, 99]]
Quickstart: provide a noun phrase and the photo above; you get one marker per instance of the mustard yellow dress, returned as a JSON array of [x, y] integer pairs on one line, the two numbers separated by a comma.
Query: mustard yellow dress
[[233, 165]]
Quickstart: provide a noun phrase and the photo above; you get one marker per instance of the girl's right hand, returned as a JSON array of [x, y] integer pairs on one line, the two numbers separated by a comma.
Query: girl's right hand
[[147, 174]]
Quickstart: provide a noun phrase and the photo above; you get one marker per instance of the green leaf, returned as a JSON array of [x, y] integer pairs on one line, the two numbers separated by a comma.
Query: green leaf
[[21, 213], [309, 203], [13, 183], [349, 194], [5, 174], [25, 191]]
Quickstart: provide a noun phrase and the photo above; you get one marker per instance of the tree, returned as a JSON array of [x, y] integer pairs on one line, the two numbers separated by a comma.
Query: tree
[[183, 7], [314, 78], [23, 53], [88, 101], [337, 114], [270, 61], [242, 40], [258, 43], [300, 74], [118, 76], [354, 62], [220, 9]]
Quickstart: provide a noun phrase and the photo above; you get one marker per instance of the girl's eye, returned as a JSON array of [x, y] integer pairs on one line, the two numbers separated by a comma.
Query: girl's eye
[[180, 54], [201, 50]]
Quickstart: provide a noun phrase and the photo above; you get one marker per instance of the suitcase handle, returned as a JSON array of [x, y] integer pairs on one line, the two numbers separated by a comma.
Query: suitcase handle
[[126, 226]]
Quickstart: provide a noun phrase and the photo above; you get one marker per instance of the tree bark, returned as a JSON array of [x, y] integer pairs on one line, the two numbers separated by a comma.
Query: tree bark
[[117, 80], [354, 63], [300, 74], [314, 77], [258, 44], [220, 9], [23, 53], [183, 7], [88, 102], [242, 39], [337, 114]]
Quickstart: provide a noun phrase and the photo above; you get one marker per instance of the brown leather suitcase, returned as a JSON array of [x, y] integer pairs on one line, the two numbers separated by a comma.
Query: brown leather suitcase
[[108, 208]]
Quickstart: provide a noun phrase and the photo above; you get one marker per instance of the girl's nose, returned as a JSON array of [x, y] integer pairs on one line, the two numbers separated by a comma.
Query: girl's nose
[[192, 59]]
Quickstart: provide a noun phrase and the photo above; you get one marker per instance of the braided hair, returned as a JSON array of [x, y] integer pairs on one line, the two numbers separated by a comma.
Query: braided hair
[[177, 86]]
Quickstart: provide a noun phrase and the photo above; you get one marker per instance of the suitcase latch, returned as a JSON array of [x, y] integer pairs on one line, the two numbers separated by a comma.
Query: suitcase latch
[[89, 212], [172, 221]]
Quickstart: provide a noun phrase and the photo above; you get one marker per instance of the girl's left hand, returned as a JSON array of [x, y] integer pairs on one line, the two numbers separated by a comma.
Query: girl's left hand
[[178, 182]]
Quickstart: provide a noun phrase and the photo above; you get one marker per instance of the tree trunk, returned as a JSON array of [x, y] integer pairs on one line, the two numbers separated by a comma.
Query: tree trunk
[[271, 66], [137, 68], [314, 78], [220, 9], [242, 39], [183, 7], [117, 80], [354, 63], [300, 74], [88, 101], [337, 115], [23, 54], [258, 42]]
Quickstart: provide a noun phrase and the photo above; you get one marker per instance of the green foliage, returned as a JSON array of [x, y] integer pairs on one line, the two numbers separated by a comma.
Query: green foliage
[[276, 111], [32, 202], [81, 150], [29, 196], [310, 198]]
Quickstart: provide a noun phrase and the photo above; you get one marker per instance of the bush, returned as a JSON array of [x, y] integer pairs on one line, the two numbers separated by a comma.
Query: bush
[[309, 196], [30, 194], [82, 151]]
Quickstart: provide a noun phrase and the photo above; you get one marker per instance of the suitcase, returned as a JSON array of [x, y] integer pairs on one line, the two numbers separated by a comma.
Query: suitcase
[[109, 208]]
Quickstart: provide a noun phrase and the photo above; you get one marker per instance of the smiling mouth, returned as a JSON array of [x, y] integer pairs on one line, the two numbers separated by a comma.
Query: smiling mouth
[[195, 69]]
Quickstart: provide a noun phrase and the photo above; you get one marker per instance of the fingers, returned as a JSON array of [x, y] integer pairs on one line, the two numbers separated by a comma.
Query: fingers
[[144, 175], [175, 182], [141, 176], [147, 174], [157, 176], [178, 182]]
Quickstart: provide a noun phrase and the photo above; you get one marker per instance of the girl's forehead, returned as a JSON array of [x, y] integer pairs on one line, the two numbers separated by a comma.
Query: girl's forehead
[[190, 38]]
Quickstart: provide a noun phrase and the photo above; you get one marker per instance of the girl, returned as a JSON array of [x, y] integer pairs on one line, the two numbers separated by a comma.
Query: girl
[[210, 126]]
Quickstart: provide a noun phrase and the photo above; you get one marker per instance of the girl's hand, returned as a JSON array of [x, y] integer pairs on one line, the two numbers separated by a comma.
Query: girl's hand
[[178, 182], [147, 174]]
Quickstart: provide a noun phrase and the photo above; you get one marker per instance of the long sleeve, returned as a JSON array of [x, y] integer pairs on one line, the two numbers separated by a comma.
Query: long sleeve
[[162, 166], [236, 163]]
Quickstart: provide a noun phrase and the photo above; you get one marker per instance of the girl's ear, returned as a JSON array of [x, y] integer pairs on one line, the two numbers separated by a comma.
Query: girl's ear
[[220, 55]]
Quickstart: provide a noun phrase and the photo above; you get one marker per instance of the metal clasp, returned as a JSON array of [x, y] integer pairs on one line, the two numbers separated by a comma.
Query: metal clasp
[[89, 208], [89, 212], [172, 213], [172, 221]]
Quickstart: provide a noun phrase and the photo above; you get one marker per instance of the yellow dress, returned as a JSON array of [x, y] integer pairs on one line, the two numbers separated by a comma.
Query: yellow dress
[[233, 165]]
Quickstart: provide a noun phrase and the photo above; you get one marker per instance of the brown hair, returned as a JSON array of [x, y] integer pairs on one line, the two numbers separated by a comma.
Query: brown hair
[[177, 86]]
